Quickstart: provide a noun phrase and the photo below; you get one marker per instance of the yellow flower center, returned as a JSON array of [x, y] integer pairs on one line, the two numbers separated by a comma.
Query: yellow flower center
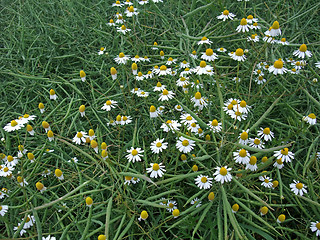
[[91, 133], [155, 167], [204, 179], [113, 71], [264, 210], [243, 104], [195, 168], [169, 122], [52, 92], [278, 64], [209, 52], [39, 186], [20, 179], [93, 144], [264, 159], [89, 201], [124, 118], [299, 186], [230, 106], [159, 144], [237, 113], [58, 172], [253, 36], [214, 123], [223, 171], [275, 184], [118, 118], [253, 160], [193, 124], [30, 156], [79, 135], [197, 95], [111, 21], [243, 22], [226, 12], [14, 123], [50, 134], [102, 237], [104, 153], [176, 213], [285, 151], [185, 143], [318, 226], [279, 161], [163, 68], [123, 27], [244, 136], [152, 108], [131, 9], [312, 116], [266, 180], [165, 92], [260, 78], [171, 205], [144, 215], [243, 153], [239, 52], [303, 48], [10, 158], [275, 25], [211, 196], [203, 64], [161, 53], [6, 169], [256, 141], [128, 178], [204, 39], [266, 131], [45, 124], [82, 74], [183, 157], [82, 108], [194, 52], [134, 152], [41, 106], [235, 207]]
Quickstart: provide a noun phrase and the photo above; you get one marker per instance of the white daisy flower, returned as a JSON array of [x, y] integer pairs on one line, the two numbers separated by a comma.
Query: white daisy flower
[[250, 19], [53, 95], [127, 180], [123, 29], [266, 181], [253, 38], [315, 227], [137, 59], [204, 40], [277, 68], [29, 222], [226, 15], [221, 50], [255, 26], [209, 55], [159, 87], [171, 61], [311, 119], [127, 2], [163, 70], [279, 163], [184, 64], [317, 64], [149, 75], [298, 188], [178, 108], [171, 205], [215, 126], [48, 238], [302, 52], [266, 134], [125, 120], [238, 115], [243, 27], [275, 30], [117, 4], [131, 11], [193, 127], [166, 95], [13, 125], [101, 51], [193, 55], [135, 180], [260, 80], [3, 209], [46, 173], [153, 112], [256, 142], [252, 164], [187, 119], [199, 101], [22, 231], [135, 90], [6, 171], [80, 136], [143, 94], [111, 23], [182, 81], [121, 59], [171, 125], [156, 170], [222, 174], [196, 202], [11, 161], [26, 118], [142, 2], [285, 154], [185, 145], [109, 105], [203, 68], [203, 182], [283, 41], [244, 137], [241, 156], [134, 154], [238, 55], [158, 145]]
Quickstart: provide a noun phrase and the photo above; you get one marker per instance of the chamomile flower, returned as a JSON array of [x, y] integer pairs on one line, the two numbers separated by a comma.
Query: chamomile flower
[[283, 41], [117, 4], [298, 188], [250, 19], [241, 156], [94, 145], [266, 181], [196, 202], [109, 104], [226, 15], [121, 59], [222, 174], [50, 135], [126, 120], [238, 115], [134, 154], [311, 119], [153, 112], [29, 222], [315, 227], [285, 154], [256, 143], [162, 54], [142, 2], [277, 68], [48, 238], [139, 77], [244, 137], [243, 27], [268, 39], [82, 110], [127, 2], [58, 173], [215, 126], [279, 163], [266, 134], [163, 70], [199, 101], [101, 51], [6, 171], [178, 108], [171, 61], [209, 55], [46, 126], [3, 209], [123, 29], [203, 68], [53, 95], [193, 54], [317, 64], [111, 23], [135, 180], [149, 75], [131, 11], [194, 127], [13, 126], [238, 55], [156, 170], [11, 161], [171, 205], [255, 26], [275, 30], [185, 72], [137, 59], [222, 50], [203, 182], [22, 182], [260, 80], [204, 40], [252, 164], [143, 94], [171, 125], [158, 145], [41, 107], [80, 136], [187, 119], [89, 201], [185, 145], [263, 211], [91, 134], [302, 52], [184, 64], [127, 180], [30, 130], [143, 216], [166, 95], [253, 38]]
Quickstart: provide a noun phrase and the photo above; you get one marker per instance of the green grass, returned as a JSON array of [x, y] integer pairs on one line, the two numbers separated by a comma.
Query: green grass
[[44, 45]]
